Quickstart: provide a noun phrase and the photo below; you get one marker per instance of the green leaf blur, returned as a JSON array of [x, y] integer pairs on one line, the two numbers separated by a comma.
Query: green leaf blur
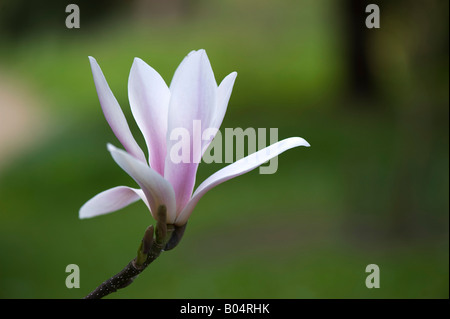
[[373, 187]]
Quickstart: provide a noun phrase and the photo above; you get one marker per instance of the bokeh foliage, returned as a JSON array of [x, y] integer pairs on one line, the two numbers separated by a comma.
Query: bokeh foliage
[[373, 188]]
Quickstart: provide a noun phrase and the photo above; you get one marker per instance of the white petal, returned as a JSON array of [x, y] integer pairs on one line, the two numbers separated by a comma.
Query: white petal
[[113, 113], [223, 96], [111, 200], [157, 190], [149, 100], [239, 167], [193, 98]]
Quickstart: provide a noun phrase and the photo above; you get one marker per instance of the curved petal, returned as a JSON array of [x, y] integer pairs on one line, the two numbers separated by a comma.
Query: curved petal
[[223, 96], [193, 99], [149, 100], [157, 190], [239, 167], [113, 113], [110, 201]]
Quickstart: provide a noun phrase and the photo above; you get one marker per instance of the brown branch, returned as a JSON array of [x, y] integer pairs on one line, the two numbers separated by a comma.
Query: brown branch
[[167, 237], [126, 276]]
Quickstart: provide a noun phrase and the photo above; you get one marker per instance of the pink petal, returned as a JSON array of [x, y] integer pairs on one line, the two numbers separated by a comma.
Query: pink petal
[[113, 113], [149, 100], [111, 200], [157, 190], [193, 97], [239, 167]]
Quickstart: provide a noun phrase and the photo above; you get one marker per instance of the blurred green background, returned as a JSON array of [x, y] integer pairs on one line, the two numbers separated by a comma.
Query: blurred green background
[[373, 188]]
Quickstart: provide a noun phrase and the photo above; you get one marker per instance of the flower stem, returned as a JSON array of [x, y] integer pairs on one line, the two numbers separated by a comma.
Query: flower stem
[[146, 255], [126, 276]]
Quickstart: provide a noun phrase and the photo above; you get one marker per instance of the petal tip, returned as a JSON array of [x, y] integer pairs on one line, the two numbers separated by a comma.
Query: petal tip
[[302, 142], [137, 60], [232, 76], [110, 147], [92, 60], [82, 214], [200, 51]]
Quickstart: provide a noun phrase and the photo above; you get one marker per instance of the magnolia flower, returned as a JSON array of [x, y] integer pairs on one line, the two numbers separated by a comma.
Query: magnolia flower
[[193, 95]]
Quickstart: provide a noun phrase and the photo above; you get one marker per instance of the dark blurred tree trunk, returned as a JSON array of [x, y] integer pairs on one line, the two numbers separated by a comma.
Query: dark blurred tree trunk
[[361, 81], [422, 120]]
